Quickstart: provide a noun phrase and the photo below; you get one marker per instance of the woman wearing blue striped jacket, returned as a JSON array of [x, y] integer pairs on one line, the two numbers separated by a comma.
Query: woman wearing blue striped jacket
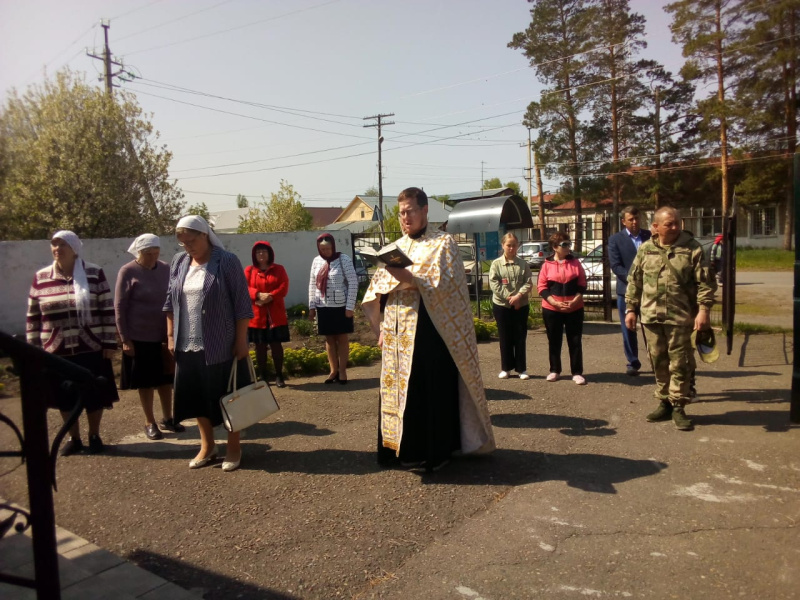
[[208, 308]]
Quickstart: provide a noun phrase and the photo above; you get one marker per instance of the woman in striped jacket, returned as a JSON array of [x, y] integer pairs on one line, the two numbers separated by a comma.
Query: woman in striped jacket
[[71, 315]]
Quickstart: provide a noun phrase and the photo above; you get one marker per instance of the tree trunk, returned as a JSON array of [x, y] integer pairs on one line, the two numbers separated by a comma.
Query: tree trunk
[[790, 111], [614, 144], [723, 121], [657, 194]]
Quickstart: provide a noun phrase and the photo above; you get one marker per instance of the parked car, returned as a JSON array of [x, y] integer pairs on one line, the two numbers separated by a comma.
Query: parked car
[[593, 265], [534, 253], [468, 257], [361, 266]]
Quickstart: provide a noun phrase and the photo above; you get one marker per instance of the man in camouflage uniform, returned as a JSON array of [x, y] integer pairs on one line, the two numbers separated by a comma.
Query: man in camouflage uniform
[[670, 284]]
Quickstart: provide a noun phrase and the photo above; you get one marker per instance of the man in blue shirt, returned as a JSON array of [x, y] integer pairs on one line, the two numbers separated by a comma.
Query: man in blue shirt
[[622, 248]]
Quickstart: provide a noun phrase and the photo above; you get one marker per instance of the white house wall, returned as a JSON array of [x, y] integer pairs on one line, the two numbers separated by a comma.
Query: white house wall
[[293, 250]]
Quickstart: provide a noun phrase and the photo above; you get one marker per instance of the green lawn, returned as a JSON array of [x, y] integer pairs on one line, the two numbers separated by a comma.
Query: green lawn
[[764, 259]]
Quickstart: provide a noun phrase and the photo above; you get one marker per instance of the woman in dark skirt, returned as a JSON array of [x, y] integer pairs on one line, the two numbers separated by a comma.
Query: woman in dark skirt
[[208, 310], [146, 365], [71, 315], [268, 285], [332, 291]]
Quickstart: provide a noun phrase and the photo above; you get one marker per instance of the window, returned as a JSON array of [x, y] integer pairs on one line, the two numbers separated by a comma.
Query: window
[[362, 214], [764, 221]]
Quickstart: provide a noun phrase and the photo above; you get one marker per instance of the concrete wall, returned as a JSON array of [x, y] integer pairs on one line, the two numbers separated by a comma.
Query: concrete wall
[[293, 250]]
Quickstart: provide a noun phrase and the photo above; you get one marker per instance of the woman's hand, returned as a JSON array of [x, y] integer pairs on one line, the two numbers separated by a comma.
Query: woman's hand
[[127, 349], [312, 314], [241, 349], [171, 344], [348, 314], [380, 340]]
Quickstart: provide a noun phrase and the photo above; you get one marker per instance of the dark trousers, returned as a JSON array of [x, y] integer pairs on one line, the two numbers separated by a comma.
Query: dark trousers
[[629, 340], [556, 323], [512, 329]]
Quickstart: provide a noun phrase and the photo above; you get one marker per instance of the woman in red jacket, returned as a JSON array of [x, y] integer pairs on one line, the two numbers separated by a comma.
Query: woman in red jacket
[[562, 282], [268, 284]]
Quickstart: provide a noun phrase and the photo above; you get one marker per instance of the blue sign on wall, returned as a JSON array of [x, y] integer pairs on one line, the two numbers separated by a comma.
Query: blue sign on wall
[[488, 245]]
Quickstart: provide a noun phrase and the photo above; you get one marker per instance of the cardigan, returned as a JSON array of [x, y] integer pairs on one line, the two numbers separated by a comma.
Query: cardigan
[[225, 301], [52, 319]]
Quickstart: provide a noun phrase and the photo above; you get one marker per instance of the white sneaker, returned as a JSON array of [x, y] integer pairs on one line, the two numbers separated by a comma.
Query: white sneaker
[[502, 375], [579, 379], [552, 377], [524, 376]]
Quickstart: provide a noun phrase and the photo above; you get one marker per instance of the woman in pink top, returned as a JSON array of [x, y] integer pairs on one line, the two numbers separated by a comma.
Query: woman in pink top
[[562, 283]]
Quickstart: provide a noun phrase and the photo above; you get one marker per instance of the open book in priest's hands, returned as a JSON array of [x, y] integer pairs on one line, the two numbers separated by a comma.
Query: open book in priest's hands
[[389, 256]]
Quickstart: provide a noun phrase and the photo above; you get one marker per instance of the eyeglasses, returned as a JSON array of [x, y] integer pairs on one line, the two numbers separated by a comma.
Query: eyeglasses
[[566, 244]]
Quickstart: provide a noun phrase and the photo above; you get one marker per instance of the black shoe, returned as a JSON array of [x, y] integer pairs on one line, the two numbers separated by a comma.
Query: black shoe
[[171, 425], [279, 382], [73, 446], [333, 378], [632, 372], [343, 381], [153, 432], [95, 444]]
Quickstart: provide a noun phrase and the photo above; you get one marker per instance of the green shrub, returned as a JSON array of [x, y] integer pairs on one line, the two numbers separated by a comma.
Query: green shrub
[[484, 330], [363, 355], [297, 311], [304, 327], [305, 361]]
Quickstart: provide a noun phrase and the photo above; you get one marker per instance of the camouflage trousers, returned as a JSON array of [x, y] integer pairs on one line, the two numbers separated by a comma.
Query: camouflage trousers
[[670, 348]]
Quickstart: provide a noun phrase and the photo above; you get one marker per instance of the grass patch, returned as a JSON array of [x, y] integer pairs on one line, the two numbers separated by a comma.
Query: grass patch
[[754, 329], [764, 259]]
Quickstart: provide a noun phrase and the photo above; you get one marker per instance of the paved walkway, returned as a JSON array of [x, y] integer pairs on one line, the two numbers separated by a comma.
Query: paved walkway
[[86, 571]]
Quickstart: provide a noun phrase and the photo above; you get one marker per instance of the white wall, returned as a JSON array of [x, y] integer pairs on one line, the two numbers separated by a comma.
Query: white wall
[[20, 260]]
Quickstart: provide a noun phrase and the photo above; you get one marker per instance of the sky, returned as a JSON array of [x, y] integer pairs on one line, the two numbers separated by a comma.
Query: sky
[[247, 93]]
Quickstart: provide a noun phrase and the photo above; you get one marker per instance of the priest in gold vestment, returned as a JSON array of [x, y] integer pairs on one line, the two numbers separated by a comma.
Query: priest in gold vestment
[[432, 398]]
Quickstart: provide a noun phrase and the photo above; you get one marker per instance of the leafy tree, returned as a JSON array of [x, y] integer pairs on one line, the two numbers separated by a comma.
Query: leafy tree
[[495, 184], [241, 201], [201, 210], [618, 92], [283, 212], [556, 42], [371, 191], [72, 157], [391, 225], [766, 105], [705, 30]]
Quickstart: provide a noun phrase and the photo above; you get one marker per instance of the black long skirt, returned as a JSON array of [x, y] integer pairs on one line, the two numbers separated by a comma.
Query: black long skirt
[[64, 398], [147, 368], [431, 424], [198, 387]]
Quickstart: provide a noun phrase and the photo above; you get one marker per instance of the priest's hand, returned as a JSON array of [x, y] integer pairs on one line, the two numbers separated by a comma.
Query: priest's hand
[[402, 275]]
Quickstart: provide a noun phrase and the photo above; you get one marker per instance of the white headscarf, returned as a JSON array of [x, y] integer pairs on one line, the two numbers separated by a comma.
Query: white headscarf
[[80, 285], [144, 241], [198, 223]]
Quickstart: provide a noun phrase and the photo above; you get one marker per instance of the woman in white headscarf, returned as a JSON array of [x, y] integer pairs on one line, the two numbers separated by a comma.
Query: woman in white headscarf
[[208, 309], [147, 366], [71, 315]]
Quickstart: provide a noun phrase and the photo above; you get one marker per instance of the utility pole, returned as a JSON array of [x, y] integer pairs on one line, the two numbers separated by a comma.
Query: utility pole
[[109, 79], [657, 124], [379, 123], [107, 62], [529, 179], [540, 192]]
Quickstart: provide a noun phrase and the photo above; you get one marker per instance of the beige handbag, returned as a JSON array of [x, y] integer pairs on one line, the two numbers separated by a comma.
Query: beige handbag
[[247, 405]]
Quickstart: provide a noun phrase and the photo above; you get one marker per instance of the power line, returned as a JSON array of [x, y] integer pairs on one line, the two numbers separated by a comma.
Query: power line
[[220, 32], [164, 24], [130, 12]]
